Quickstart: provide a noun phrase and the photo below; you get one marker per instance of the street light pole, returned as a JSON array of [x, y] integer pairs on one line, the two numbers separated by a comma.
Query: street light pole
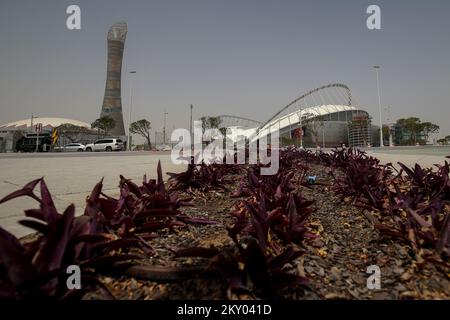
[[31, 126], [300, 123], [390, 126], [131, 108], [377, 68], [190, 123], [190, 127], [38, 130], [164, 128]]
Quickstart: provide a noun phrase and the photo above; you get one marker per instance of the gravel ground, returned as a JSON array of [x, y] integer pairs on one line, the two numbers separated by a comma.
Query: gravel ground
[[336, 261]]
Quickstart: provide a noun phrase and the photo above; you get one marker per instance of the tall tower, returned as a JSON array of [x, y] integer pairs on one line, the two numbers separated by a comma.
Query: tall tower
[[112, 102]]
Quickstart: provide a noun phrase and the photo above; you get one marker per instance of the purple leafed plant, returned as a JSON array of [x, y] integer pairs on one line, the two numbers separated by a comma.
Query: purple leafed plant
[[140, 210], [365, 181], [413, 203], [37, 269], [199, 176], [251, 268], [286, 222]]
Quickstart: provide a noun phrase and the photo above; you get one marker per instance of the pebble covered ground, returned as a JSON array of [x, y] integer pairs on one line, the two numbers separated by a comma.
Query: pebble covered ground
[[336, 261]]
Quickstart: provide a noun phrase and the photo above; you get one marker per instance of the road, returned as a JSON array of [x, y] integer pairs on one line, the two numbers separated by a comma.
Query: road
[[426, 156], [70, 177]]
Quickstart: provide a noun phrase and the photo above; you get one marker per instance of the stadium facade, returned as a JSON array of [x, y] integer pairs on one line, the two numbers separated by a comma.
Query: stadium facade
[[305, 122], [325, 126]]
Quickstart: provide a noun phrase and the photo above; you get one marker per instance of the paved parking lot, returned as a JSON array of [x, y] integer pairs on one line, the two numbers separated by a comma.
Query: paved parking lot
[[71, 177]]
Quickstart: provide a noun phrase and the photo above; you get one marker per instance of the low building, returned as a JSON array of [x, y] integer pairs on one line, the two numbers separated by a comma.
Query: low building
[[12, 132]]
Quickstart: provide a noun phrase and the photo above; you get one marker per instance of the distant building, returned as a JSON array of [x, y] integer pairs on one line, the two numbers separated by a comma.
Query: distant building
[[309, 123], [324, 125], [112, 101], [11, 132]]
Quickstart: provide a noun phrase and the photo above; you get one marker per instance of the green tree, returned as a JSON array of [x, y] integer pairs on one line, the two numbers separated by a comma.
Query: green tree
[[214, 122], [429, 128], [411, 127], [204, 121], [210, 123], [386, 132], [413, 130], [142, 127], [104, 124], [72, 132], [223, 131]]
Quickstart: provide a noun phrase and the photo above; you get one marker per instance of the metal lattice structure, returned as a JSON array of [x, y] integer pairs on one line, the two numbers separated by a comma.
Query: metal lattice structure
[[324, 114], [227, 121], [303, 98]]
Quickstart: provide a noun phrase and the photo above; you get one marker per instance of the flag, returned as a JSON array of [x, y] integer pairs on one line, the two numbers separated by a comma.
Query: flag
[[55, 136]]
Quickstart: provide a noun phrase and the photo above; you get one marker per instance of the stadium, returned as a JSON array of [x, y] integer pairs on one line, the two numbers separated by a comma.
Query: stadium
[[325, 117]]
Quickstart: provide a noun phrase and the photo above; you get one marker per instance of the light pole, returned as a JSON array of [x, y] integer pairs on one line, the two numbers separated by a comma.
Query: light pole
[[190, 127], [37, 132], [377, 68], [390, 126], [31, 125], [164, 128], [300, 123], [131, 108]]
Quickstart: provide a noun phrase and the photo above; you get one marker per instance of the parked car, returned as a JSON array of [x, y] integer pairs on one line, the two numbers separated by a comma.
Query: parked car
[[74, 147], [163, 147], [111, 144]]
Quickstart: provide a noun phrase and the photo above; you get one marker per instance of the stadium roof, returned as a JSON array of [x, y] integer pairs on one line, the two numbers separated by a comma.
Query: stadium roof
[[47, 123], [325, 109], [306, 113]]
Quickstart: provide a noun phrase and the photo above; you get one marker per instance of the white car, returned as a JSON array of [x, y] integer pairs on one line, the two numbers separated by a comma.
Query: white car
[[74, 147], [111, 144], [163, 147]]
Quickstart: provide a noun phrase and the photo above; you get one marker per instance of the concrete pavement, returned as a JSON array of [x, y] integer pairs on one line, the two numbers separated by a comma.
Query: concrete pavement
[[425, 156], [71, 177]]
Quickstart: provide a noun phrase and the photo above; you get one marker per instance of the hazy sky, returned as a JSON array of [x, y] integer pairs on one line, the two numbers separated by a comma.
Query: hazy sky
[[244, 57]]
